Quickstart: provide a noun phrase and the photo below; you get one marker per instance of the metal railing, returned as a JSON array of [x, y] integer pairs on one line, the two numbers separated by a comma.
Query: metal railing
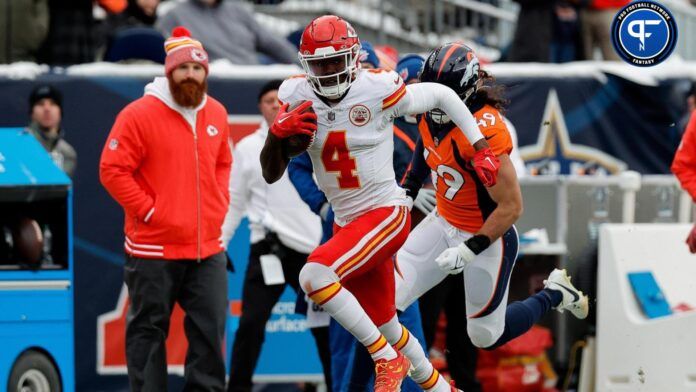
[[685, 16], [415, 25], [419, 25]]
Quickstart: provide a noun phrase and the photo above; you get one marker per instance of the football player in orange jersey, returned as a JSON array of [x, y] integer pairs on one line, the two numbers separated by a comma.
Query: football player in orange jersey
[[472, 231]]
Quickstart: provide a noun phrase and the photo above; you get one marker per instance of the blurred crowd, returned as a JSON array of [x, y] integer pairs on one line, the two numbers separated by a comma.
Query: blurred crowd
[[67, 32], [564, 30]]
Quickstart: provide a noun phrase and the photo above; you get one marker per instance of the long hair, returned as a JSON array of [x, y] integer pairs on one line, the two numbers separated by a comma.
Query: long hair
[[492, 93]]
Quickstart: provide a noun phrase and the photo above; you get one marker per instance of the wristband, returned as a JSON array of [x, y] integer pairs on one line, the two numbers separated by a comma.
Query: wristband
[[478, 243]]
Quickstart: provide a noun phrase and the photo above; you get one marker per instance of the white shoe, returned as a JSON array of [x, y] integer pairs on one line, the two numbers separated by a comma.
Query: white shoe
[[573, 299]]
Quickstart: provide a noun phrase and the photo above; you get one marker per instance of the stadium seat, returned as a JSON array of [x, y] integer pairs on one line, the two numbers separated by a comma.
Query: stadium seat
[[136, 43]]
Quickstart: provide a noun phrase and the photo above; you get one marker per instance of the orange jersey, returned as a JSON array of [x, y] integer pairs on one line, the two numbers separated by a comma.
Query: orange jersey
[[461, 197]]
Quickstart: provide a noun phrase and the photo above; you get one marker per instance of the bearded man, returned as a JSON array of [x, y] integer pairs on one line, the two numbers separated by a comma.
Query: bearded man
[[167, 163]]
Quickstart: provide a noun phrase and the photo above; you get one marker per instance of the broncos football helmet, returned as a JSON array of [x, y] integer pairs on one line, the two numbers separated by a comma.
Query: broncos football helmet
[[456, 66]]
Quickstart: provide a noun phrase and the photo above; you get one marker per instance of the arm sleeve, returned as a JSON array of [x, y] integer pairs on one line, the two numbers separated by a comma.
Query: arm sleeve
[[300, 171], [238, 191], [684, 164], [121, 157], [423, 97], [417, 172]]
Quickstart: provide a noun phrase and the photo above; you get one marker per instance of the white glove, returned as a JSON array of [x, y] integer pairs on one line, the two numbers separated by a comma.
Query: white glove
[[409, 203], [426, 200], [453, 260]]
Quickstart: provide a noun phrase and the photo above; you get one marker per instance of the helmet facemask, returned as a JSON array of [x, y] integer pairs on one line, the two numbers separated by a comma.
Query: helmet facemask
[[330, 72]]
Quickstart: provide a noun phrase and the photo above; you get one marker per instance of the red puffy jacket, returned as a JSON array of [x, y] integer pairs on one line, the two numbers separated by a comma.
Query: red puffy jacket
[[169, 169], [684, 164]]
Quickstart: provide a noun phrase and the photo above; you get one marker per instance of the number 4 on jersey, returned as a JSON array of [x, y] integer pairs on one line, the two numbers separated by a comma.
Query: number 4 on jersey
[[336, 158]]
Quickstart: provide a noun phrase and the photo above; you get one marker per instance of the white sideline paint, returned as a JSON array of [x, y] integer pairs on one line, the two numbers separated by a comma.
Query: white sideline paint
[[628, 344]]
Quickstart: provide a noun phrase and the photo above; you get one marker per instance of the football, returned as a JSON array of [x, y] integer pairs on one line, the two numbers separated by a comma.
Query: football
[[28, 241], [297, 144]]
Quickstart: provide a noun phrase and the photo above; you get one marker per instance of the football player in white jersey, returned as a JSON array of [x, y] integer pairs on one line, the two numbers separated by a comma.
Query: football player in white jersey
[[352, 275]]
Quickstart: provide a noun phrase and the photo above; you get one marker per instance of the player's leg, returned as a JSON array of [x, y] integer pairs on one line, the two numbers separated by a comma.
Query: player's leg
[[374, 290], [461, 354], [346, 253], [416, 270], [491, 323], [411, 319], [416, 274]]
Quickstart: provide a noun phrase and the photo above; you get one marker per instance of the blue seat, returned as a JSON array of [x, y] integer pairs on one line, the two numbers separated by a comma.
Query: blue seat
[[136, 43]]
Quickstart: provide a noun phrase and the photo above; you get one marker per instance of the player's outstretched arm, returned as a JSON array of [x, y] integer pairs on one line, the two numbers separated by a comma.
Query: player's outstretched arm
[[423, 97]]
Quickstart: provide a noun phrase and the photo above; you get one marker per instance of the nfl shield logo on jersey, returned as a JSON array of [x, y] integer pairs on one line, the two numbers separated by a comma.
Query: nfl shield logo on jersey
[[359, 115], [331, 116]]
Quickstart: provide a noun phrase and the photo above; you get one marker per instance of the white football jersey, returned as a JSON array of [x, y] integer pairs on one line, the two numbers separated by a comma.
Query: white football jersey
[[352, 153]]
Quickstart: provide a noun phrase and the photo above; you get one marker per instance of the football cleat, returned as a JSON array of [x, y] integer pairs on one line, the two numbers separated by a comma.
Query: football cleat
[[390, 374], [573, 299]]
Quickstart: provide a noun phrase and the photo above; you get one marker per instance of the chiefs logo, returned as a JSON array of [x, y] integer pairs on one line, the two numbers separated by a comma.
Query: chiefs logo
[[198, 55], [359, 115], [212, 131]]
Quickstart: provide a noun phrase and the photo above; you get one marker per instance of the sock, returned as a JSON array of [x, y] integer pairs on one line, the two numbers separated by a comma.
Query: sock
[[422, 370], [521, 315], [345, 309]]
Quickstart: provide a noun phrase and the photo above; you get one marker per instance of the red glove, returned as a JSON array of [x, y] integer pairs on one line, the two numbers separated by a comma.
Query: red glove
[[486, 165], [294, 122], [691, 240]]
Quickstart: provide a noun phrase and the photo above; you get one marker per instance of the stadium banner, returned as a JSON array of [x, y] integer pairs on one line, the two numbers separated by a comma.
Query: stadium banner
[[564, 124]]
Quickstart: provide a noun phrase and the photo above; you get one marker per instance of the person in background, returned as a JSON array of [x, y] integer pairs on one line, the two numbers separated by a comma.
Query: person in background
[[72, 36], [138, 13], [20, 43], [229, 31], [534, 32], [596, 21], [684, 167], [690, 107], [46, 110], [283, 233], [167, 162], [368, 57], [566, 32]]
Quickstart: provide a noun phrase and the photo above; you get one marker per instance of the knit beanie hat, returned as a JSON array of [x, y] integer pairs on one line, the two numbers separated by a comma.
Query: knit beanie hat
[[45, 91], [181, 48]]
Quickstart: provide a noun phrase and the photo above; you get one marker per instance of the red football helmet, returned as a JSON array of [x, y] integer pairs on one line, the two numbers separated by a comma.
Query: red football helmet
[[329, 52]]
